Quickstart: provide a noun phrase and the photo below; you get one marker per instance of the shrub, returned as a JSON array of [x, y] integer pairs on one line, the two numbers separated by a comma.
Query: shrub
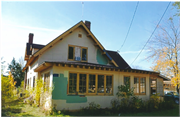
[[92, 109], [115, 105], [125, 91]]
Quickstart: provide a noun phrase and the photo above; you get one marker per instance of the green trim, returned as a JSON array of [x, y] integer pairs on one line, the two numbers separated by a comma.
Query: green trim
[[101, 59], [60, 91]]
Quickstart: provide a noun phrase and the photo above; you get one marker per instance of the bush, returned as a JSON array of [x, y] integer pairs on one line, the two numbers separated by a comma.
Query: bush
[[92, 109], [115, 105]]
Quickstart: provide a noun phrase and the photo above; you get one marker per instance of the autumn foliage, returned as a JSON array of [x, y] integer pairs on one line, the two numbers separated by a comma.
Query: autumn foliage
[[7, 87]]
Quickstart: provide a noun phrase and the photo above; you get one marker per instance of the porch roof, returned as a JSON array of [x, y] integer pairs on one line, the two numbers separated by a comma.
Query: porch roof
[[87, 65]]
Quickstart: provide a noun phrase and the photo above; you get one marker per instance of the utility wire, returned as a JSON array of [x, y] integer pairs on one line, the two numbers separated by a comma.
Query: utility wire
[[129, 26], [152, 33]]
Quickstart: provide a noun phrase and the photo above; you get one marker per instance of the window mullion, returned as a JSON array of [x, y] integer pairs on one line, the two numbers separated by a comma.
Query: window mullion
[[73, 53], [139, 85], [77, 85], [104, 84], [87, 81], [96, 83]]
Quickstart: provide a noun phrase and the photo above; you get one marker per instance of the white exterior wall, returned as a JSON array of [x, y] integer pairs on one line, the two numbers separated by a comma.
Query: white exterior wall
[[103, 100], [49, 70], [59, 52], [31, 73]]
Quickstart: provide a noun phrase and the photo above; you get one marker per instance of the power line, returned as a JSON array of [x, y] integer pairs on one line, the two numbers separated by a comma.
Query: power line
[[152, 33], [130, 25]]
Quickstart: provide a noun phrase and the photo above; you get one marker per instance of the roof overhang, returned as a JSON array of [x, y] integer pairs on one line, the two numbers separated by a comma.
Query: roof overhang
[[29, 62], [85, 65]]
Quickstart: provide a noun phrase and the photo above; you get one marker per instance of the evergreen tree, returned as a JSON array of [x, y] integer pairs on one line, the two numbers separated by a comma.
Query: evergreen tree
[[16, 70]]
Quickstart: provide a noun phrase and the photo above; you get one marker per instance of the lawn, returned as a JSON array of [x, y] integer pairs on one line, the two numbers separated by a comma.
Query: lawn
[[18, 108]]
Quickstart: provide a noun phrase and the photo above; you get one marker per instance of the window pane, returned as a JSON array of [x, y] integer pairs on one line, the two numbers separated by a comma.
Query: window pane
[[109, 84], [34, 81], [153, 85], [82, 83], [71, 52], [72, 82], [142, 86], [84, 54], [92, 84], [136, 85], [100, 83]]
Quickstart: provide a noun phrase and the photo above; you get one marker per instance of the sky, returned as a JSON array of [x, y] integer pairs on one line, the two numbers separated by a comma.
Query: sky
[[110, 22]]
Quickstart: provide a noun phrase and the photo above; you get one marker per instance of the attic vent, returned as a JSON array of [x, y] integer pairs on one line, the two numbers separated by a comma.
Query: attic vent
[[80, 35]]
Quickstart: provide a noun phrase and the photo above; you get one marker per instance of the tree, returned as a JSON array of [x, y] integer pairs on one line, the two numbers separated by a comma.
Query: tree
[[21, 62], [16, 70], [7, 87], [177, 6], [165, 49]]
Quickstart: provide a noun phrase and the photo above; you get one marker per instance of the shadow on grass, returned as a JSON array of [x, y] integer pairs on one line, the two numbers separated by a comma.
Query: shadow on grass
[[25, 114]]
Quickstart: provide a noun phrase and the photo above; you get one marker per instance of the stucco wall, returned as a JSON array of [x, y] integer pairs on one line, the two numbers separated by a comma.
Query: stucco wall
[[59, 52], [31, 73], [62, 101], [160, 89]]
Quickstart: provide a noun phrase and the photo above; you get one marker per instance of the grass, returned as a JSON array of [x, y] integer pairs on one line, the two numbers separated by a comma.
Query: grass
[[18, 108]]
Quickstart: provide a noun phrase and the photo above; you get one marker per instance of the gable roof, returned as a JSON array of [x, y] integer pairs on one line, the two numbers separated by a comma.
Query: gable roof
[[118, 59], [61, 37]]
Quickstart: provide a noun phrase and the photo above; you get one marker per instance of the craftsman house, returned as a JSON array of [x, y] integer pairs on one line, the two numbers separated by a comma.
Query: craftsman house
[[82, 70]]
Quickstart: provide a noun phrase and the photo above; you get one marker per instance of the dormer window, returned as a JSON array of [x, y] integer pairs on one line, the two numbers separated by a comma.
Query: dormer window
[[77, 53]]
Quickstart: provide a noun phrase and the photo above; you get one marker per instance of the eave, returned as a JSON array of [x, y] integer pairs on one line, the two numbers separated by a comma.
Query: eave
[[29, 62], [48, 64]]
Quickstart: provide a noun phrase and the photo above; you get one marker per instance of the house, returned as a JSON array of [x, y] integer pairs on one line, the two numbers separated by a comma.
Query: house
[[81, 70]]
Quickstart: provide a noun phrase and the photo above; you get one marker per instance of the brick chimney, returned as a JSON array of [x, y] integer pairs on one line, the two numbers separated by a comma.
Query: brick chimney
[[31, 37], [88, 24]]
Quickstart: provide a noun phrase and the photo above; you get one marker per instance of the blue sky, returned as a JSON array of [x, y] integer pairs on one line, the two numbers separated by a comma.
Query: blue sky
[[109, 23]]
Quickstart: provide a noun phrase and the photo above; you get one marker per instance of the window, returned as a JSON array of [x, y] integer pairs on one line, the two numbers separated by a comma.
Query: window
[[90, 84], [84, 54], [82, 83], [100, 84], [28, 82], [77, 53], [153, 85], [139, 85], [71, 53], [109, 84], [127, 80], [34, 81], [80, 35], [72, 82]]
